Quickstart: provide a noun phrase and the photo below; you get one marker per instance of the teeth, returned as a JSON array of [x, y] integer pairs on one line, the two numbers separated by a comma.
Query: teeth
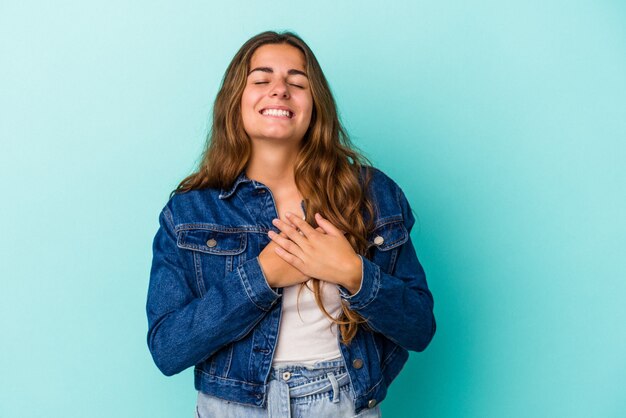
[[277, 112]]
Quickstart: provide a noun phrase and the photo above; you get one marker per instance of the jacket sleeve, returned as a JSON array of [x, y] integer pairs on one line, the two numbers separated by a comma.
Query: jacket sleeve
[[184, 329], [397, 305]]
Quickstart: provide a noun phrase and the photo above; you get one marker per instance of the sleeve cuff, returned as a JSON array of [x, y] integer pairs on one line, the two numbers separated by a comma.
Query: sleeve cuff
[[370, 283], [255, 283]]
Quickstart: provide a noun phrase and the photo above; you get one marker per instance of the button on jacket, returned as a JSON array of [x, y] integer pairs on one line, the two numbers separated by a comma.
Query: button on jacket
[[209, 304]]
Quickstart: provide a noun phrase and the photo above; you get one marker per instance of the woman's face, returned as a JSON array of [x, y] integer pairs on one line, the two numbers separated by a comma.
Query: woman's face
[[276, 104]]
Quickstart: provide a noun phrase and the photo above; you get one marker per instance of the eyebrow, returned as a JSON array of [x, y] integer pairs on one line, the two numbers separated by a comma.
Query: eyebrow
[[270, 70]]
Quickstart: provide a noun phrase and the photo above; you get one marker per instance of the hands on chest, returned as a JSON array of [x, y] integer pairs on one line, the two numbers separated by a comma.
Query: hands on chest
[[300, 252]]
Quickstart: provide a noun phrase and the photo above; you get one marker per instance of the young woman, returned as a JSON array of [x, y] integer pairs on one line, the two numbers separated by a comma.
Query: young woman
[[283, 269]]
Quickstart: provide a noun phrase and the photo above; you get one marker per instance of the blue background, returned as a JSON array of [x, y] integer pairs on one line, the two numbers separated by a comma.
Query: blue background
[[504, 122]]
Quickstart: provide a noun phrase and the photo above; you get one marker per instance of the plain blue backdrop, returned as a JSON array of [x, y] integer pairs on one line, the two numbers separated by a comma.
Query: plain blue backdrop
[[504, 122]]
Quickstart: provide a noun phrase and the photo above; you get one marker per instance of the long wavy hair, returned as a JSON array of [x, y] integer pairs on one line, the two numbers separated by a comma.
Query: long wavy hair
[[330, 173]]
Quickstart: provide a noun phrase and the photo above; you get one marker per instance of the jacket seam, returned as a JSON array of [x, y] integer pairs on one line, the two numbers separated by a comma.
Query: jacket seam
[[243, 202], [243, 274], [391, 354], [199, 278], [386, 221], [199, 370], [384, 364], [220, 228], [169, 218], [386, 336]]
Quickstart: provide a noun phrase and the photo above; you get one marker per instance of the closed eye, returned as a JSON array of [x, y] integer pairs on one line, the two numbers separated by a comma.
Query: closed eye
[[267, 82]]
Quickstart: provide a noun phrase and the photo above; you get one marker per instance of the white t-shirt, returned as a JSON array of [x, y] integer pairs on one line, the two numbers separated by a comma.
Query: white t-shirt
[[306, 335]]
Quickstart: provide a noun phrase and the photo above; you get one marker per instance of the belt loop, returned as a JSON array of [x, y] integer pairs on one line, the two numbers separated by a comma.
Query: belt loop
[[279, 405], [335, 385]]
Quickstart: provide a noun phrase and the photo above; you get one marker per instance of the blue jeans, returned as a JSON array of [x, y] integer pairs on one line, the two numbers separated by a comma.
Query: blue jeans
[[295, 391]]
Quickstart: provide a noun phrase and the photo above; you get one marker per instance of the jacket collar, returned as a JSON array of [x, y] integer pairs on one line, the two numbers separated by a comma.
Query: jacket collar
[[241, 178]]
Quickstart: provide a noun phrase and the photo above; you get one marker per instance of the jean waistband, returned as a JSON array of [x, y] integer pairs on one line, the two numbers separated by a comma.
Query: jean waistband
[[297, 367], [304, 380]]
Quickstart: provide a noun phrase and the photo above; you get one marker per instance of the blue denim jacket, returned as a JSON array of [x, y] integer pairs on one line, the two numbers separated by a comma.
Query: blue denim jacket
[[209, 305]]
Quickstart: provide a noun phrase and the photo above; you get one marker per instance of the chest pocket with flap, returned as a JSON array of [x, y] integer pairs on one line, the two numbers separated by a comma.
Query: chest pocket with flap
[[213, 251], [212, 241], [384, 243]]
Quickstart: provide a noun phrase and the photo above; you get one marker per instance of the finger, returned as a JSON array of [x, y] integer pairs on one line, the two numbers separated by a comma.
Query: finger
[[302, 225], [328, 227], [290, 258], [291, 232], [286, 243]]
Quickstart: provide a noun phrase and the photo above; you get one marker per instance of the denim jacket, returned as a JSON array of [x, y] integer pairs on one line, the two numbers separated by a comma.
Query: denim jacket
[[209, 304]]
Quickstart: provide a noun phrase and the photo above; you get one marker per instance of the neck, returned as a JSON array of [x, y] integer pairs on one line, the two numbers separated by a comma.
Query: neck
[[273, 165]]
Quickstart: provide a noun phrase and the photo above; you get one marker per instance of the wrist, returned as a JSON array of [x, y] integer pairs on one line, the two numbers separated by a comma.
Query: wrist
[[351, 279]]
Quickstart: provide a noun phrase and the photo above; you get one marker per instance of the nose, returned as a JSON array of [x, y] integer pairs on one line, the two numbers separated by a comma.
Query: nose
[[279, 89]]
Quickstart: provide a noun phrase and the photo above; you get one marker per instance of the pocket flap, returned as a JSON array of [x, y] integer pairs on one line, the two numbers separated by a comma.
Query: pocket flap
[[212, 242], [388, 236]]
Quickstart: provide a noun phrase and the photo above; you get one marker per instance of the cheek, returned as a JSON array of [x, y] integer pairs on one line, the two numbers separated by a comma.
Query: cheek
[[307, 106], [309, 113], [247, 107], [248, 98]]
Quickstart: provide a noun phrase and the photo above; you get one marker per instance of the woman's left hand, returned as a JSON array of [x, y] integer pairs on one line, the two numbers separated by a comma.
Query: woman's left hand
[[323, 255]]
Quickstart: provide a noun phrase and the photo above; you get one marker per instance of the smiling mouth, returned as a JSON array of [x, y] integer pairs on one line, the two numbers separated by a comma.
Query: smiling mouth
[[277, 113]]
